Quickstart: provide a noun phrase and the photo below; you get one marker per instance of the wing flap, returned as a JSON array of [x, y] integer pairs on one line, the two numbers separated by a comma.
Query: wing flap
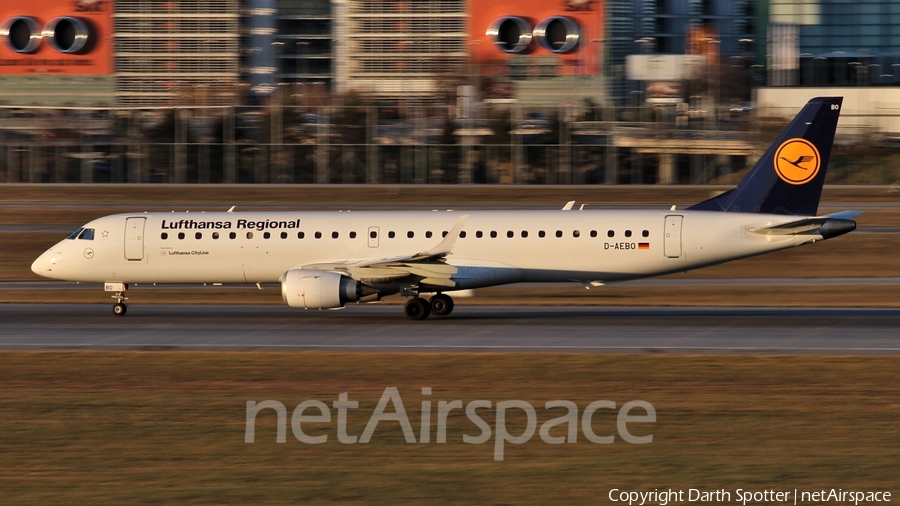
[[429, 265]]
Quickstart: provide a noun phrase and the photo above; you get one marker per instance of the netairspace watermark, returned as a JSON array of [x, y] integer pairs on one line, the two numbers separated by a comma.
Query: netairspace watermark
[[742, 496], [646, 414]]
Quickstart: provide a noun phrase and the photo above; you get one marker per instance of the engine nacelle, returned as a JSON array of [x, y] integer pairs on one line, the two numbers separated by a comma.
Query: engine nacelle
[[315, 289]]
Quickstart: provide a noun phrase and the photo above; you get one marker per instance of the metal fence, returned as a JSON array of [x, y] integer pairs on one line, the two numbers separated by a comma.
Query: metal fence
[[496, 144]]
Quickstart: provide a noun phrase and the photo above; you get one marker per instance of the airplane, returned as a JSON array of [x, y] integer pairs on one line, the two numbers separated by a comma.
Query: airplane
[[324, 260]]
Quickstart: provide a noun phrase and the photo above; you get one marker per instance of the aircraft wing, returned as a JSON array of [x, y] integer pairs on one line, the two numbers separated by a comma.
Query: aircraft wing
[[827, 224], [429, 265]]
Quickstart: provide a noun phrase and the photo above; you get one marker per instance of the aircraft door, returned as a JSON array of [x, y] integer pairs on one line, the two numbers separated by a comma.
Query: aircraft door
[[373, 237], [672, 244], [134, 238]]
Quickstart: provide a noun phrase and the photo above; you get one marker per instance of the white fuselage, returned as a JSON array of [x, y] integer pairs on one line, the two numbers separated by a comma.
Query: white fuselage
[[252, 247]]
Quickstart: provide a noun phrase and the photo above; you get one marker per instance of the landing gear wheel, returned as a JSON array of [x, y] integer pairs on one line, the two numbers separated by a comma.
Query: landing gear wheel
[[441, 304], [120, 309], [417, 308]]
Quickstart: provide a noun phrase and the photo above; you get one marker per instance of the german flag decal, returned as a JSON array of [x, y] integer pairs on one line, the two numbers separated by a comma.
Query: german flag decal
[[643, 245]]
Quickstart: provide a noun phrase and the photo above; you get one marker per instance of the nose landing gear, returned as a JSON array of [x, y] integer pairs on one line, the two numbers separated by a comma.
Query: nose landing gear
[[119, 308]]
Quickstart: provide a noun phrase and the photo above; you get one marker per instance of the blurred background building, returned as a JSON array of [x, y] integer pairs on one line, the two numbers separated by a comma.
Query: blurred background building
[[452, 91]]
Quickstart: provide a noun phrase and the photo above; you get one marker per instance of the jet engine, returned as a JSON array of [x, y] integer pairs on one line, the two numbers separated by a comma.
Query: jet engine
[[315, 289]]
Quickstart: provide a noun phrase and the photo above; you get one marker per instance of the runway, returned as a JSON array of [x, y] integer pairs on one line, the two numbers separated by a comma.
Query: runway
[[842, 331]]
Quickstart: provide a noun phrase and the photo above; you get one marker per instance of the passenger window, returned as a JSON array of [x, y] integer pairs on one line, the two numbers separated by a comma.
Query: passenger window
[[232, 235], [559, 233], [249, 235], [163, 236], [391, 234], [493, 234], [74, 234], [373, 234], [283, 235], [510, 233], [335, 235], [301, 235], [479, 234], [410, 234], [610, 234], [645, 233], [198, 235], [524, 234], [593, 233], [576, 233], [541, 233], [428, 234], [266, 235], [444, 233], [181, 235], [353, 235], [628, 233], [462, 234], [87, 235], [215, 235], [318, 235]]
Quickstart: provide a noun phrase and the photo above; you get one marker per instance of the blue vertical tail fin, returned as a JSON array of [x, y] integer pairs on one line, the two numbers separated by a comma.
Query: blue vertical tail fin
[[788, 178]]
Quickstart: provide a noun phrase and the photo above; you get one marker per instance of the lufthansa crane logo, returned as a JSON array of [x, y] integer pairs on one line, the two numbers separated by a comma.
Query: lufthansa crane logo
[[797, 161]]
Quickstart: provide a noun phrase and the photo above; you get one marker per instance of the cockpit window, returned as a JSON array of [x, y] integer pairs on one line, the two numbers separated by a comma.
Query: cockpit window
[[87, 235], [75, 233]]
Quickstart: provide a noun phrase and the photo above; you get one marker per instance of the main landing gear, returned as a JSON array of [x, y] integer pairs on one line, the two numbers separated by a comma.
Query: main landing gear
[[418, 308]]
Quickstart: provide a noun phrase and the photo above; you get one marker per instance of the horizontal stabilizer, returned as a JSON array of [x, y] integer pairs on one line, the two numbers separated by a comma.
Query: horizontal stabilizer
[[828, 226]]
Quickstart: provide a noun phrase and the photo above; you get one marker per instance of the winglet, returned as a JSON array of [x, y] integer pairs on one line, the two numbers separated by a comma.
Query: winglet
[[569, 205], [446, 245]]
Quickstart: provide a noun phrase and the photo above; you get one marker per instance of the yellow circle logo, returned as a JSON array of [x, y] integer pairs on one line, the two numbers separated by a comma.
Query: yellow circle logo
[[797, 161]]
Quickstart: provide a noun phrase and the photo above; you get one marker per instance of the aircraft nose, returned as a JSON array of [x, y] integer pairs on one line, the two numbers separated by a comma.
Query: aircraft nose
[[43, 265]]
